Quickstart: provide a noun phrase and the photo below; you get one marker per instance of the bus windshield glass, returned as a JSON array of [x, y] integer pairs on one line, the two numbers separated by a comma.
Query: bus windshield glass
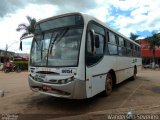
[[59, 22], [57, 47]]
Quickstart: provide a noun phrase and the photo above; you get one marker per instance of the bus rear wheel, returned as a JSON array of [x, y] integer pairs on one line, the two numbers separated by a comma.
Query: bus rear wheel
[[108, 84], [134, 74]]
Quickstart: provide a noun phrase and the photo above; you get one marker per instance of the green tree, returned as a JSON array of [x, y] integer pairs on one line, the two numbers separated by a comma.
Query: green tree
[[27, 28], [154, 41], [133, 36]]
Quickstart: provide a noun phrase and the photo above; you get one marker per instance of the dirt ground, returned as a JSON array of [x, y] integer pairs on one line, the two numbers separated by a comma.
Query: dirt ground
[[141, 96]]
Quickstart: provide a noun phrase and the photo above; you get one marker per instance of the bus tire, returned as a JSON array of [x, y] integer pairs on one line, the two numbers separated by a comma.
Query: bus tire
[[108, 84], [134, 74]]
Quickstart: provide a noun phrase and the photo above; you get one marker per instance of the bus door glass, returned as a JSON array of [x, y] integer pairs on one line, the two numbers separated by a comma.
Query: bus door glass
[[94, 54]]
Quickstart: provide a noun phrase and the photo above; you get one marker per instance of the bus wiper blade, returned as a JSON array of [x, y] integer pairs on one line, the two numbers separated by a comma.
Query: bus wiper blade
[[56, 38], [41, 51], [52, 43]]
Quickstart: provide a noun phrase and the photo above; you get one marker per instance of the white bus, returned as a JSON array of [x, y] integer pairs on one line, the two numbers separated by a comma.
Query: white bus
[[76, 56]]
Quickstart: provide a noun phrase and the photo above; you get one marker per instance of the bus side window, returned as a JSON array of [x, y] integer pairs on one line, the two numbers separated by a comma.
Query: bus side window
[[134, 51], [121, 47], [129, 48], [99, 49], [106, 43], [112, 45]]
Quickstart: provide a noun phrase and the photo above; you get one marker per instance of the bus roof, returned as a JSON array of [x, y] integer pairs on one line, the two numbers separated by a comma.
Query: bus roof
[[109, 28], [88, 18]]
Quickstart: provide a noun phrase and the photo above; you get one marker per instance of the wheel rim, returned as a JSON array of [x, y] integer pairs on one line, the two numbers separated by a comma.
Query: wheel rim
[[108, 84]]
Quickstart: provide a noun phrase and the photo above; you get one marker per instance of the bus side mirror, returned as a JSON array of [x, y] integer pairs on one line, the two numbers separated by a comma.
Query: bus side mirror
[[96, 41]]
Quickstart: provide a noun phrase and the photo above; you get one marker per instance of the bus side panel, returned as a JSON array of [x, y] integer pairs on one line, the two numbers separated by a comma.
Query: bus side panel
[[139, 64], [123, 66], [98, 84], [95, 82], [80, 90], [88, 87], [97, 74]]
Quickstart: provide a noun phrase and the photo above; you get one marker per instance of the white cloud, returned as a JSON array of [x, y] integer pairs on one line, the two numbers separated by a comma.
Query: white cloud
[[40, 11], [9, 24], [123, 5], [144, 16], [100, 13], [140, 38]]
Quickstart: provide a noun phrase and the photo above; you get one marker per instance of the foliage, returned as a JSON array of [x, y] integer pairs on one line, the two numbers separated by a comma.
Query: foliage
[[154, 40], [22, 64], [133, 36], [27, 28]]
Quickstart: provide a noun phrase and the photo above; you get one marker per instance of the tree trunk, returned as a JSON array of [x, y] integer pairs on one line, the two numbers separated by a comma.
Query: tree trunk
[[153, 59]]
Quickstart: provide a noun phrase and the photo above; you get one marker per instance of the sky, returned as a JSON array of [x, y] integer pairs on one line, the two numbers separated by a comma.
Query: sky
[[140, 17]]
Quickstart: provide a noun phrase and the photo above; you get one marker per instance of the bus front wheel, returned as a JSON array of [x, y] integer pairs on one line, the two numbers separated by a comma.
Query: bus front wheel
[[108, 84]]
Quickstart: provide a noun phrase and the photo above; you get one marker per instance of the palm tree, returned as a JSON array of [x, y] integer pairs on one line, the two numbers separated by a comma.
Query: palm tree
[[154, 41], [133, 36], [27, 28]]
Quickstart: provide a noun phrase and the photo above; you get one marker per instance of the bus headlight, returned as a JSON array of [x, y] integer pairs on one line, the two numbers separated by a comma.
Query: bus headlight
[[64, 81], [70, 79]]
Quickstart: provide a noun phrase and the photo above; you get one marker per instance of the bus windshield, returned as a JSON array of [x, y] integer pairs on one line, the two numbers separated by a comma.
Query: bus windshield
[[56, 48], [57, 41]]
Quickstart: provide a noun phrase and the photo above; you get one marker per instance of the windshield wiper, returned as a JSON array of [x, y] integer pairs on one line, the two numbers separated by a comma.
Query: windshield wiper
[[62, 34], [42, 51], [52, 43]]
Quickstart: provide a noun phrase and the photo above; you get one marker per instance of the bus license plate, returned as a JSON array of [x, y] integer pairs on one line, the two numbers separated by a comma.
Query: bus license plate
[[46, 88]]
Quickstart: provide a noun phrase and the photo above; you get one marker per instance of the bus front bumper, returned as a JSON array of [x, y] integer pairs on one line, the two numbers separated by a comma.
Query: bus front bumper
[[73, 90]]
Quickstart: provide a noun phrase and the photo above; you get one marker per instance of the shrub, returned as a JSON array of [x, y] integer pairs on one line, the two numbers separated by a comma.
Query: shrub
[[22, 64]]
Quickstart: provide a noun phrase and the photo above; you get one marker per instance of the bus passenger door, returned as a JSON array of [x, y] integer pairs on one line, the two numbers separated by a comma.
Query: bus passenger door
[[94, 53]]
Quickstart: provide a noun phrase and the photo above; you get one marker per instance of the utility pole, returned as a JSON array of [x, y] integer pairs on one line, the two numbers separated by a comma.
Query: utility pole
[[5, 56], [6, 50]]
